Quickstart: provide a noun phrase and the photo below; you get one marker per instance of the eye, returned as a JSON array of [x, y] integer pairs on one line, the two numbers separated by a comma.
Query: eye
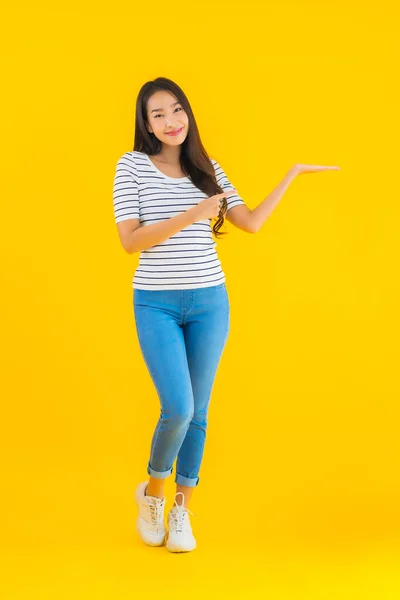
[[159, 114]]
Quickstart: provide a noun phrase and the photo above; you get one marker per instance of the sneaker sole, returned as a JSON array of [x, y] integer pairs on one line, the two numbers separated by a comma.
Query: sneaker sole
[[148, 542]]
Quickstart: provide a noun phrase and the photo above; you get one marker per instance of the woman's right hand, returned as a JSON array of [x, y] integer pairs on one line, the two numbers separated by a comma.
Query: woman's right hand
[[210, 207]]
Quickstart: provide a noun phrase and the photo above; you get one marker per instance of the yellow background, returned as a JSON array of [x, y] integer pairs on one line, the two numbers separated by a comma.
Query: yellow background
[[299, 487]]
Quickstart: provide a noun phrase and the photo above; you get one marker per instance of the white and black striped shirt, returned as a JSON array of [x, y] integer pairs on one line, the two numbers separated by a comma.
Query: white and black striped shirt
[[187, 259]]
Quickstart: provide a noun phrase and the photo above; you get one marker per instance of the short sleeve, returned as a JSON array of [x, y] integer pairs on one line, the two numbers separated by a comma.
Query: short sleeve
[[126, 189], [225, 184]]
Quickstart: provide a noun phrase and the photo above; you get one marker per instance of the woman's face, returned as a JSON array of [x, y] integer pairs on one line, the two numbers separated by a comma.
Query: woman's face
[[165, 114]]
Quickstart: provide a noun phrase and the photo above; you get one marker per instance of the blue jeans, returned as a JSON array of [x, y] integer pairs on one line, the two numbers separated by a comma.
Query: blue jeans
[[182, 334]]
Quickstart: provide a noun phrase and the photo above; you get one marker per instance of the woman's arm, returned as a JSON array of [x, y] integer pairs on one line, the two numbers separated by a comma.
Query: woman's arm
[[252, 220], [135, 238]]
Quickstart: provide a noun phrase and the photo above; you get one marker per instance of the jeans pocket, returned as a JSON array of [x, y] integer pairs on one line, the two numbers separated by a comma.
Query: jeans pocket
[[140, 297]]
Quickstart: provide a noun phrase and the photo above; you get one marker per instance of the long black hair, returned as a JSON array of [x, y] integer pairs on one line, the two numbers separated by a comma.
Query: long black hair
[[194, 160]]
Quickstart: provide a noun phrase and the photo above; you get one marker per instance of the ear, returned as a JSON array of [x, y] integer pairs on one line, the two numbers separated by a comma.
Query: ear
[[148, 128]]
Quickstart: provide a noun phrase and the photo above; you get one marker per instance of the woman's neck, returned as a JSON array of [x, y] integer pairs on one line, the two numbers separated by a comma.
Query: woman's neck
[[169, 155]]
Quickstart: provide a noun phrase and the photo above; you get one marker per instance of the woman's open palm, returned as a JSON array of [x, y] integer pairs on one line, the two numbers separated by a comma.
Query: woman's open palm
[[299, 169]]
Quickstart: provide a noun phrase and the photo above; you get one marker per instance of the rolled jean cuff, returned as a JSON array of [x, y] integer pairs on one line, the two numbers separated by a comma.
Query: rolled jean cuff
[[187, 481], [158, 474]]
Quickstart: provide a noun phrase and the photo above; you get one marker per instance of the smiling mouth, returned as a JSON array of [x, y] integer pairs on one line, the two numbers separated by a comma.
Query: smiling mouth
[[175, 132]]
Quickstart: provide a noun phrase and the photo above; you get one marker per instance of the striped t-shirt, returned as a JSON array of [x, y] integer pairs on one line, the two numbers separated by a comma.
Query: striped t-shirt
[[187, 259]]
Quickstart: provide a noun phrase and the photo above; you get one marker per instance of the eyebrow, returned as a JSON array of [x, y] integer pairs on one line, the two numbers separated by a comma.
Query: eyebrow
[[158, 109]]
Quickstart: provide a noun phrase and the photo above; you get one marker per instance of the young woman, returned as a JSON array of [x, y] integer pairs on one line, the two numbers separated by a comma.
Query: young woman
[[167, 191]]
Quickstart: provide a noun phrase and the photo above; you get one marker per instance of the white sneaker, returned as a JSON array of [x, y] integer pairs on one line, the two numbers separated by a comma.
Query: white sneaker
[[180, 537], [150, 521]]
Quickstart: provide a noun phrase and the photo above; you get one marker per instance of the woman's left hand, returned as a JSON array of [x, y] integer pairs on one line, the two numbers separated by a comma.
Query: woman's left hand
[[299, 169]]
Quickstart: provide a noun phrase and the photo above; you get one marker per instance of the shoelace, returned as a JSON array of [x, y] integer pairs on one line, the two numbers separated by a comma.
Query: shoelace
[[155, 511], [179, 514]]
